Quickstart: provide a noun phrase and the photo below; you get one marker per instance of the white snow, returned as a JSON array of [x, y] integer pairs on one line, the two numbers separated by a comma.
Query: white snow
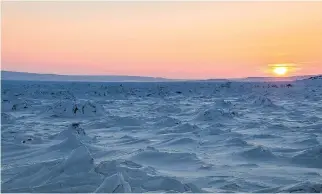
[[161, 137]]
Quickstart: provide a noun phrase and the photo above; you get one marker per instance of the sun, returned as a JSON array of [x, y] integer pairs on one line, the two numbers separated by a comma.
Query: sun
[[280, 70]]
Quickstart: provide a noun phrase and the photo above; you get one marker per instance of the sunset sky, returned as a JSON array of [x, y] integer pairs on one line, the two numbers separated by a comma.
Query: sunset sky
[[164, 39]]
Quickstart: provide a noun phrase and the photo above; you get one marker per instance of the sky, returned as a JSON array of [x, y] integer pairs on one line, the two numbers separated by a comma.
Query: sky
[[161, 39]]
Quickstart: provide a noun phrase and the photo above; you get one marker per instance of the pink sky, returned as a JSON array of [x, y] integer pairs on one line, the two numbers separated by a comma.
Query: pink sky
[[166, 39]]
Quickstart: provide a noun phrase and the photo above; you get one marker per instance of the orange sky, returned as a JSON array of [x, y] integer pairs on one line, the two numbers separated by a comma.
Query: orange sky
[[167, 39]]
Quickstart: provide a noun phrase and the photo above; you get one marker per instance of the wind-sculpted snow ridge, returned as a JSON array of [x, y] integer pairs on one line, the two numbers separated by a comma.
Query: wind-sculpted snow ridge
[[116, 176], [194, 137], [127, 176], [73, 137]]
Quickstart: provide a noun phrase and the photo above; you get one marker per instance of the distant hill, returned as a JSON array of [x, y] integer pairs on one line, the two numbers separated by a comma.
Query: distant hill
[[10, 75], [266, 79]]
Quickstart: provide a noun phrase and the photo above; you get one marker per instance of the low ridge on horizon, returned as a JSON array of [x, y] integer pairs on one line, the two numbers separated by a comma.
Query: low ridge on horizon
[[17, 75]]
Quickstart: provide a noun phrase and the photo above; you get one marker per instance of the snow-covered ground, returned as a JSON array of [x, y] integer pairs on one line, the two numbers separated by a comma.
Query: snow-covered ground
[[161, 137]]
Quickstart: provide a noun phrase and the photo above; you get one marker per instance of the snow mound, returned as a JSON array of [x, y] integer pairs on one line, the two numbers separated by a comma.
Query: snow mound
[[128, 176], [31, 176], [69, 143], [73, 137], [80, 160], [73, 129], [48, 176], [76, 109], [263, 101]]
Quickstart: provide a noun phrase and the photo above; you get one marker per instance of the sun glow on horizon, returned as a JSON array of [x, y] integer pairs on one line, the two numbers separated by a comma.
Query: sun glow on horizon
[[283, 69], [280, 70]]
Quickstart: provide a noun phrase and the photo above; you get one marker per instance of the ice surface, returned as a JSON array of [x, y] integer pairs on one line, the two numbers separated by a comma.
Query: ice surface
[[68, 108], [161, 137]]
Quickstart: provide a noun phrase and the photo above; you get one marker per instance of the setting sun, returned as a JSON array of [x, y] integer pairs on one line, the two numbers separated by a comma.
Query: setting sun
[[280, 70]]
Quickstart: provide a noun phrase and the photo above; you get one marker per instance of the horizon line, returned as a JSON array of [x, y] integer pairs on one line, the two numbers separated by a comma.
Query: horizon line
[[97, 75]]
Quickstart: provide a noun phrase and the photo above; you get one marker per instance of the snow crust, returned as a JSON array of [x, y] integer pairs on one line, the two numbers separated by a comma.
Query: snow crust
[[161, 137]]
